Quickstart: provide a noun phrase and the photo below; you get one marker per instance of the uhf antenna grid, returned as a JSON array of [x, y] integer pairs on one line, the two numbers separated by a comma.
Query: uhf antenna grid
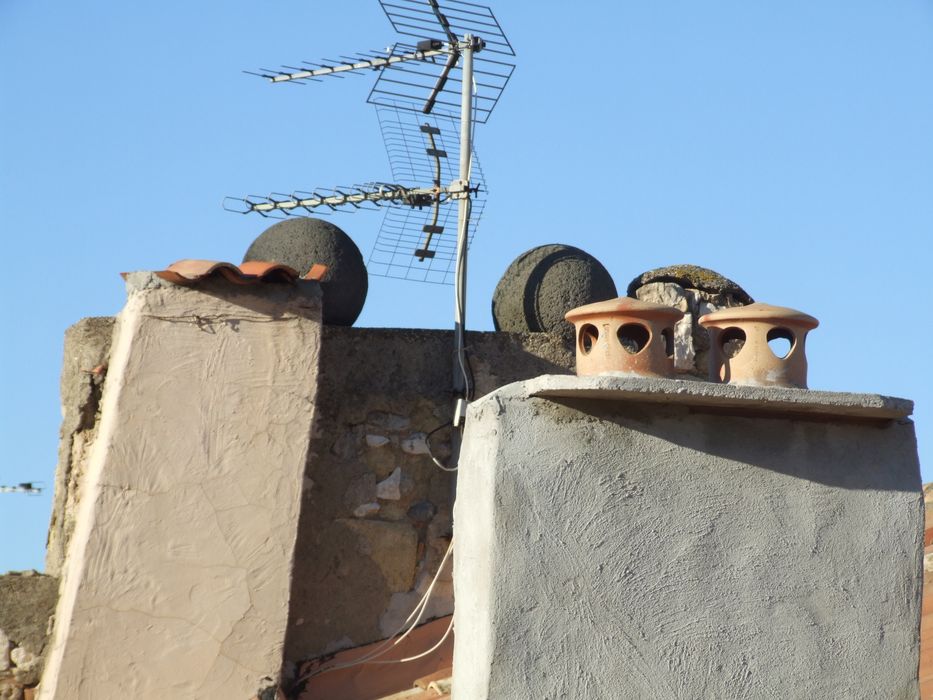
[[406, 84], [403, 228], [419, 19]]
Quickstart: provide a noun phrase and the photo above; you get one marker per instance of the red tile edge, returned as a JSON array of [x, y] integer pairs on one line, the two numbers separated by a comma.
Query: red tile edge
[[189, 271]]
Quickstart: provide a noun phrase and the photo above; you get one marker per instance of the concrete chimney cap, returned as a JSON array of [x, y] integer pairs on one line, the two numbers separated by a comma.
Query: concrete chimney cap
[[760, 312], [625, 306]]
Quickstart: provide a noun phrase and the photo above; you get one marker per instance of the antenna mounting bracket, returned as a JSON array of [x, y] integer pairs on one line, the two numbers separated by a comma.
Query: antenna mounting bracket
[[459, 189]]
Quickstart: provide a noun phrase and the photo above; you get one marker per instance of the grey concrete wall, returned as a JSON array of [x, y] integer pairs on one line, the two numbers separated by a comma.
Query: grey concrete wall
[[673, 539], [376, 515], [177, 577]]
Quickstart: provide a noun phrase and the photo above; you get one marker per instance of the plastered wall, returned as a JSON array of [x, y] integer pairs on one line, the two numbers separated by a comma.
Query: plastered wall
[[628, 537], [177, 574], [375, 510]]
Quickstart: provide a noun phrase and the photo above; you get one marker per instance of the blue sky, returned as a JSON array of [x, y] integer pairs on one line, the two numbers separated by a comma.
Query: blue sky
[[787, 144]]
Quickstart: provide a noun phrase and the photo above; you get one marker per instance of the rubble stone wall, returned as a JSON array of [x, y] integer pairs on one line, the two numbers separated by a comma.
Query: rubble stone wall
[[87, 347], [376, 520], [27, 605]]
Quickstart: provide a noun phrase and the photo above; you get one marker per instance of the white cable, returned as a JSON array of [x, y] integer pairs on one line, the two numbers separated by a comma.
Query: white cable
[[387, 645], [441, 466], [424, 653]]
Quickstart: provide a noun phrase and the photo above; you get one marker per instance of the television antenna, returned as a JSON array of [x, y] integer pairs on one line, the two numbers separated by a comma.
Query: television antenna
[[28, 487], [419, 78]]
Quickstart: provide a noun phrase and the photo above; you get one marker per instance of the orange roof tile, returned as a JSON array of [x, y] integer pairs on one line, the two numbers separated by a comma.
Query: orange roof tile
[[190, 271]]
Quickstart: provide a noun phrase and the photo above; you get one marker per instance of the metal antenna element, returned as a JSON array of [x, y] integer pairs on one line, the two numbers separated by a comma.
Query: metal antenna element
[[425, 78], [419, 243], [27, 487]]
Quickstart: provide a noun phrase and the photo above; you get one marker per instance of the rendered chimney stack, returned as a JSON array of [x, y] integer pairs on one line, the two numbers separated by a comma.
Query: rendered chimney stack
[[625, 335], [739, 345]]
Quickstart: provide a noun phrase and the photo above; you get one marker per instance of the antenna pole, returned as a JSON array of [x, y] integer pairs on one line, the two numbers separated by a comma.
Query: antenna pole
[[461, 390]]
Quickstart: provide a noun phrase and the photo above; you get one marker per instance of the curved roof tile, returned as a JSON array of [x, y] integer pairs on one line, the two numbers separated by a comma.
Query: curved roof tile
[[189, 271]]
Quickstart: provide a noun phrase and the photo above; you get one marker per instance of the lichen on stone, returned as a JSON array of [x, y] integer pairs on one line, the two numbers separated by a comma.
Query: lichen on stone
[[691, 277]]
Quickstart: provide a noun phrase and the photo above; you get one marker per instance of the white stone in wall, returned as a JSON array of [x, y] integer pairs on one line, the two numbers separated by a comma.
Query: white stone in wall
[[4, 651], [376, 440], [416, 444], [670, 294], [390, 489], [665, 293], [24, 659], [684, 353], [366, 509]]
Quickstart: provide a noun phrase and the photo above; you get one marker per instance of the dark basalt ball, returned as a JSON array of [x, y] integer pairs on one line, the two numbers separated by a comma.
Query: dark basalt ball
[[543, 284], [302, 242]]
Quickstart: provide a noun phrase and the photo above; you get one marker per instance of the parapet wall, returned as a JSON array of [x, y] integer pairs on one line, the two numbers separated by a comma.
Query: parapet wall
[[375, 515]]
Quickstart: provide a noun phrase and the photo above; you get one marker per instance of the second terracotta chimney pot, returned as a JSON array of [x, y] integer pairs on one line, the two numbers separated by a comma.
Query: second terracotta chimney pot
[[739, 345]]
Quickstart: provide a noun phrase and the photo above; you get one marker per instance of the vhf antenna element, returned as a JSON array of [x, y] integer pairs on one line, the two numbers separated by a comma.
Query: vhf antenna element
[[432, 78], [31, 488]]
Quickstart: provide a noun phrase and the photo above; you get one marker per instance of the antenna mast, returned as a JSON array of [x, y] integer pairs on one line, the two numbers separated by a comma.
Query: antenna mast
[[405, 75]]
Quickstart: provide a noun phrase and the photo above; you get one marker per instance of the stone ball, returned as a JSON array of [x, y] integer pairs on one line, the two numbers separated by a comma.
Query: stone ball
[[302, 242], [543, 284]]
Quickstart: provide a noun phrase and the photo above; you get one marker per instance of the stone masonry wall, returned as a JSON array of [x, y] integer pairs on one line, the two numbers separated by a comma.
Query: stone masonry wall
[[376, 519], [87, 347], [27, 604]]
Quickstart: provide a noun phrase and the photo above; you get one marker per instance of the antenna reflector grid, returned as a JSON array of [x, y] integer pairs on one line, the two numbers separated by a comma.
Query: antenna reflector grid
[[409, 84], [400, 250], [419, 19]]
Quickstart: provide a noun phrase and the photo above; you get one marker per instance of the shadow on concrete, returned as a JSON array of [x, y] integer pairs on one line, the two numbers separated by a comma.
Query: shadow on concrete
[[845, 453]]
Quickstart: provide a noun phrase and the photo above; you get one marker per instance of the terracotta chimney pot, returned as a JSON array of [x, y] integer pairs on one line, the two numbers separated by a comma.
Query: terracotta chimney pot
[[625, 335], [739, 350]]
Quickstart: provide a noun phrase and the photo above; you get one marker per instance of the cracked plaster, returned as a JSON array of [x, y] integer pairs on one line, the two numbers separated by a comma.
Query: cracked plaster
[[177, 580]]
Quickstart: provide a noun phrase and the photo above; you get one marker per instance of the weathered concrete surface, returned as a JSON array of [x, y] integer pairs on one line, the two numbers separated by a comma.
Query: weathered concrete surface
[[87, 347], [748, 399], [625, 548], [177, 577], [27, 602], [375, 520]]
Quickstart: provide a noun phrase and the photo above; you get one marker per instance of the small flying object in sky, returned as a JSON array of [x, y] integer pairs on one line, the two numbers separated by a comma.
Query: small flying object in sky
[[28, 487]]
